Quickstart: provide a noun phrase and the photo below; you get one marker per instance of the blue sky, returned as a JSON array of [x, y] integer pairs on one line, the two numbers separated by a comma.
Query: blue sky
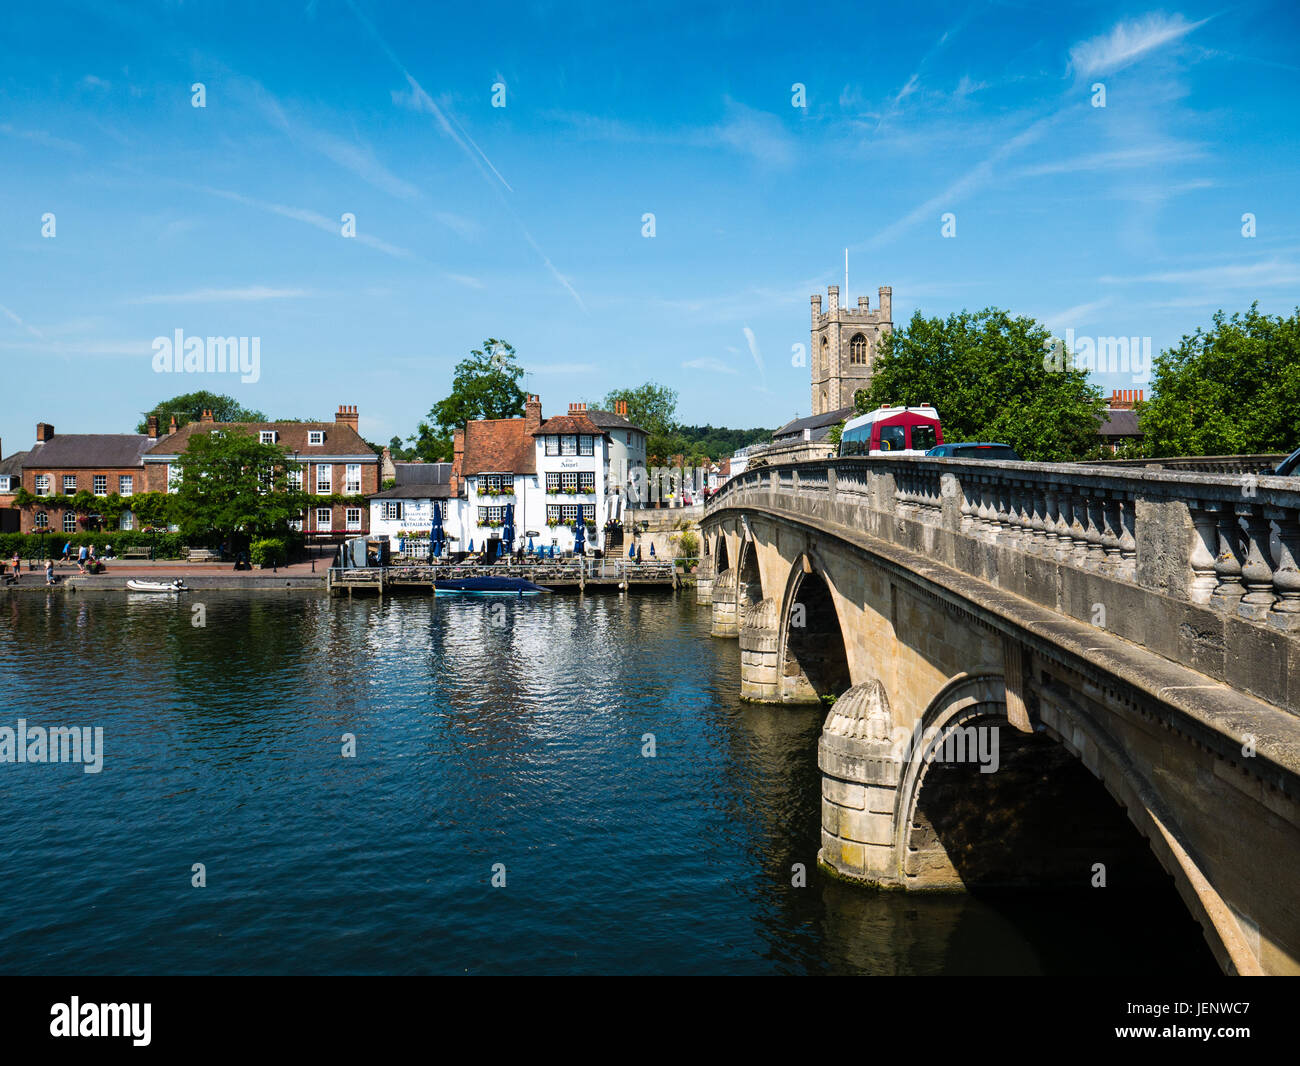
[[525, 221]]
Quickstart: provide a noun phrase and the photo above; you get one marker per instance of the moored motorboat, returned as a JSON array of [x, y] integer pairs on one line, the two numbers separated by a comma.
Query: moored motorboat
[[488, 586], [157, 586]]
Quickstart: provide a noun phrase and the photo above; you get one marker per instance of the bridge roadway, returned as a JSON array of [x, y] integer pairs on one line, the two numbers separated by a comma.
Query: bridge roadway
[[1002, 646]]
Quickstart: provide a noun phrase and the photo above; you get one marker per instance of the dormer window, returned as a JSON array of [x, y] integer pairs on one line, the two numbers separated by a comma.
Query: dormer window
[[268, 436], [315, 436]]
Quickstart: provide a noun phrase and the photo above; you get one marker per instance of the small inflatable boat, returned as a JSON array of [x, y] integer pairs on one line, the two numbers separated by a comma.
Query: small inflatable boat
[[157, 586], [487, 586]]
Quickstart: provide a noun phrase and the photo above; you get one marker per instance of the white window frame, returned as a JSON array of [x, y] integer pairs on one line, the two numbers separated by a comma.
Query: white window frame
[[126, 484], [328, 512], [569, 481], [69, 491], [294, 480], [72, 515], [266, 436], [41, 521], [42, 484], [173, 477], [352, 519], [391, 510], [315, 436], [552, 445], [586, 444], [324, 477], [99, 484], [569, 444], [569, 512], [127, 520], [586, 481], [352, 479]]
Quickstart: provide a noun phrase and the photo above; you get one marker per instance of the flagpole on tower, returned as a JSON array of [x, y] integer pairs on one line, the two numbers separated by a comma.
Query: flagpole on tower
[[846, 277]]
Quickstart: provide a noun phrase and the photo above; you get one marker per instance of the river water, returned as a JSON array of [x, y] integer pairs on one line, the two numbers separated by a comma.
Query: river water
[[490, 735]]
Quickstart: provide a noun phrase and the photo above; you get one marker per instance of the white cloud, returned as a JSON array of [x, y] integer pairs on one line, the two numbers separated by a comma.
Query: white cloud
[[717, 366], [758, 356], [204, 296], [1227, 276], [1127, 43], [19, 322]]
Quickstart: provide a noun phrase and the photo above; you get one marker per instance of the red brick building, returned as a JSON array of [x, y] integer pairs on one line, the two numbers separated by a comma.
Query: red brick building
[[60, 466], [335, 462]]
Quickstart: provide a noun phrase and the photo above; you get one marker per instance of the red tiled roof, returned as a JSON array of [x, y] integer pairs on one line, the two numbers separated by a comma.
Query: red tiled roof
[[570, 424], [498, 446]]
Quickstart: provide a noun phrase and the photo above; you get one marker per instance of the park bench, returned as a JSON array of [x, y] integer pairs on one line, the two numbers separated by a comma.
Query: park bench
[[204, 555], [135, 553]]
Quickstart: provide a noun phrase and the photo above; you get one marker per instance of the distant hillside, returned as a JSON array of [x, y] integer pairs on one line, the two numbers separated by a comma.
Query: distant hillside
[[717, 442]]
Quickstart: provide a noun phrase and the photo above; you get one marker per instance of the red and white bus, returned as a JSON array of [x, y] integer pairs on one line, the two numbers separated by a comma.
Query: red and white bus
[[892, 431]]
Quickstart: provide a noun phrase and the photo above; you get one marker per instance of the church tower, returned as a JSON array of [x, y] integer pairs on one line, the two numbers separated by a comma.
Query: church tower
[[844, 345]]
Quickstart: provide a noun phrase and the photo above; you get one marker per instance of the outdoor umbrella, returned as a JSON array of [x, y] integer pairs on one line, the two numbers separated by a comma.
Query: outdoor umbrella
[[579, 539], [471, 544], [435, 534], [508, 529], [530, 544], [652, 549], [631, 551]]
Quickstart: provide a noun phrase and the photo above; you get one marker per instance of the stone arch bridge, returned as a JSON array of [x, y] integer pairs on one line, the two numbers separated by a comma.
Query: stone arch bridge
[[1000, 646]]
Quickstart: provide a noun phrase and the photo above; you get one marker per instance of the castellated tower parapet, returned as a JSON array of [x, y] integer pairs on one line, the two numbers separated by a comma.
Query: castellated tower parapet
[[844, 345]]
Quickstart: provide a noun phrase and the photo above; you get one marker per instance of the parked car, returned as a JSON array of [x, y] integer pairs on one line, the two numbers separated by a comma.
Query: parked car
[[974, 450], [1290, 466]]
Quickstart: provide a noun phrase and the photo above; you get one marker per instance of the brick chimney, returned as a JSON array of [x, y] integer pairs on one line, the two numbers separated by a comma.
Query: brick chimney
[[620, 408], [533, 414], [347, 416], [153, 427], [44, 432], [172, 428], [206, 416], [577, 408], [457, 459]]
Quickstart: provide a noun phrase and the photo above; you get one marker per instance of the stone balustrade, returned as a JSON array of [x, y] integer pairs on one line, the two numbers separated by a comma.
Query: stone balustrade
[[1227, 542]]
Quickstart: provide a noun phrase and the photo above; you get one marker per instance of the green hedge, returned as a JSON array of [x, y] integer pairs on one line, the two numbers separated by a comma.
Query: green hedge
[[169, 545], [270, 551]]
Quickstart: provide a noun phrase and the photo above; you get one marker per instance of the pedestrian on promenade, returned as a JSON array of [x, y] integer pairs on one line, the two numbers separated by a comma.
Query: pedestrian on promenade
[[67, 551], [18, 564], [49, 570], [81, 559]]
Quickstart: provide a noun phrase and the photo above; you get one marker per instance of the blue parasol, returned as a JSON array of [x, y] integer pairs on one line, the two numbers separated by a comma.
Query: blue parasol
[[435, 534], [579, 538], [652, 549], [471, 544], [530, 544], [631, 552], [508, 528]]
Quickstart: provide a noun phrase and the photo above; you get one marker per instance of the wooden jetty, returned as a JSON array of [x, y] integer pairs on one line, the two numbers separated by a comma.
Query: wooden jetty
[[559, 575]]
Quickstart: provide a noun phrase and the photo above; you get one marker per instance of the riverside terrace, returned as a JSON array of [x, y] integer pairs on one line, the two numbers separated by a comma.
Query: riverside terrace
[[1136, 628]]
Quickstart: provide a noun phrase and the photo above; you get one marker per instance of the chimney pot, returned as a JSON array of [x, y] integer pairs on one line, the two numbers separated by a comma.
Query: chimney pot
[[173, 425]]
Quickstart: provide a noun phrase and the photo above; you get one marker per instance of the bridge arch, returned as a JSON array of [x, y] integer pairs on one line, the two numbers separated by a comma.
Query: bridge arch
[[812, 659], [1047, 815], [721, 559]]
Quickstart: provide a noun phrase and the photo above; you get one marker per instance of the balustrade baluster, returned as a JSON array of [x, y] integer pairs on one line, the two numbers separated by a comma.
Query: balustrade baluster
[[1227, 563], [1051, 517], [1111, 530], [1286, 576], [1257, 571], [1205, 543]]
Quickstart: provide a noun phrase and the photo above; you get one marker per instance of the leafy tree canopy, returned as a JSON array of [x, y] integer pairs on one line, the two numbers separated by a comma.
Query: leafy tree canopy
[[652, 407], [1231, 389], [189, 406], [485, 385], [234, 488], [992, 378]]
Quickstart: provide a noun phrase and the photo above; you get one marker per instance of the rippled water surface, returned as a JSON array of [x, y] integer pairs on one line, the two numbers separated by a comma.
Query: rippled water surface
[[487, 731]]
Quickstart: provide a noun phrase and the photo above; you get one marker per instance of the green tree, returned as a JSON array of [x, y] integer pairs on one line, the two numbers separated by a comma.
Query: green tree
[[189, 406], [234, 488], [652, 407], [1231, 389], [485, 385], [992, 377]]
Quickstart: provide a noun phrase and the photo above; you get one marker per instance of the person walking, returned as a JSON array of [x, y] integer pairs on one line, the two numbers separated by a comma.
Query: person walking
[[18, 565], [81, 559], [67, 551]]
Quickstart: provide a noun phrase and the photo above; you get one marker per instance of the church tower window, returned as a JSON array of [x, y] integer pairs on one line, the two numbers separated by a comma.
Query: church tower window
[[826, 356], [858, 350]]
